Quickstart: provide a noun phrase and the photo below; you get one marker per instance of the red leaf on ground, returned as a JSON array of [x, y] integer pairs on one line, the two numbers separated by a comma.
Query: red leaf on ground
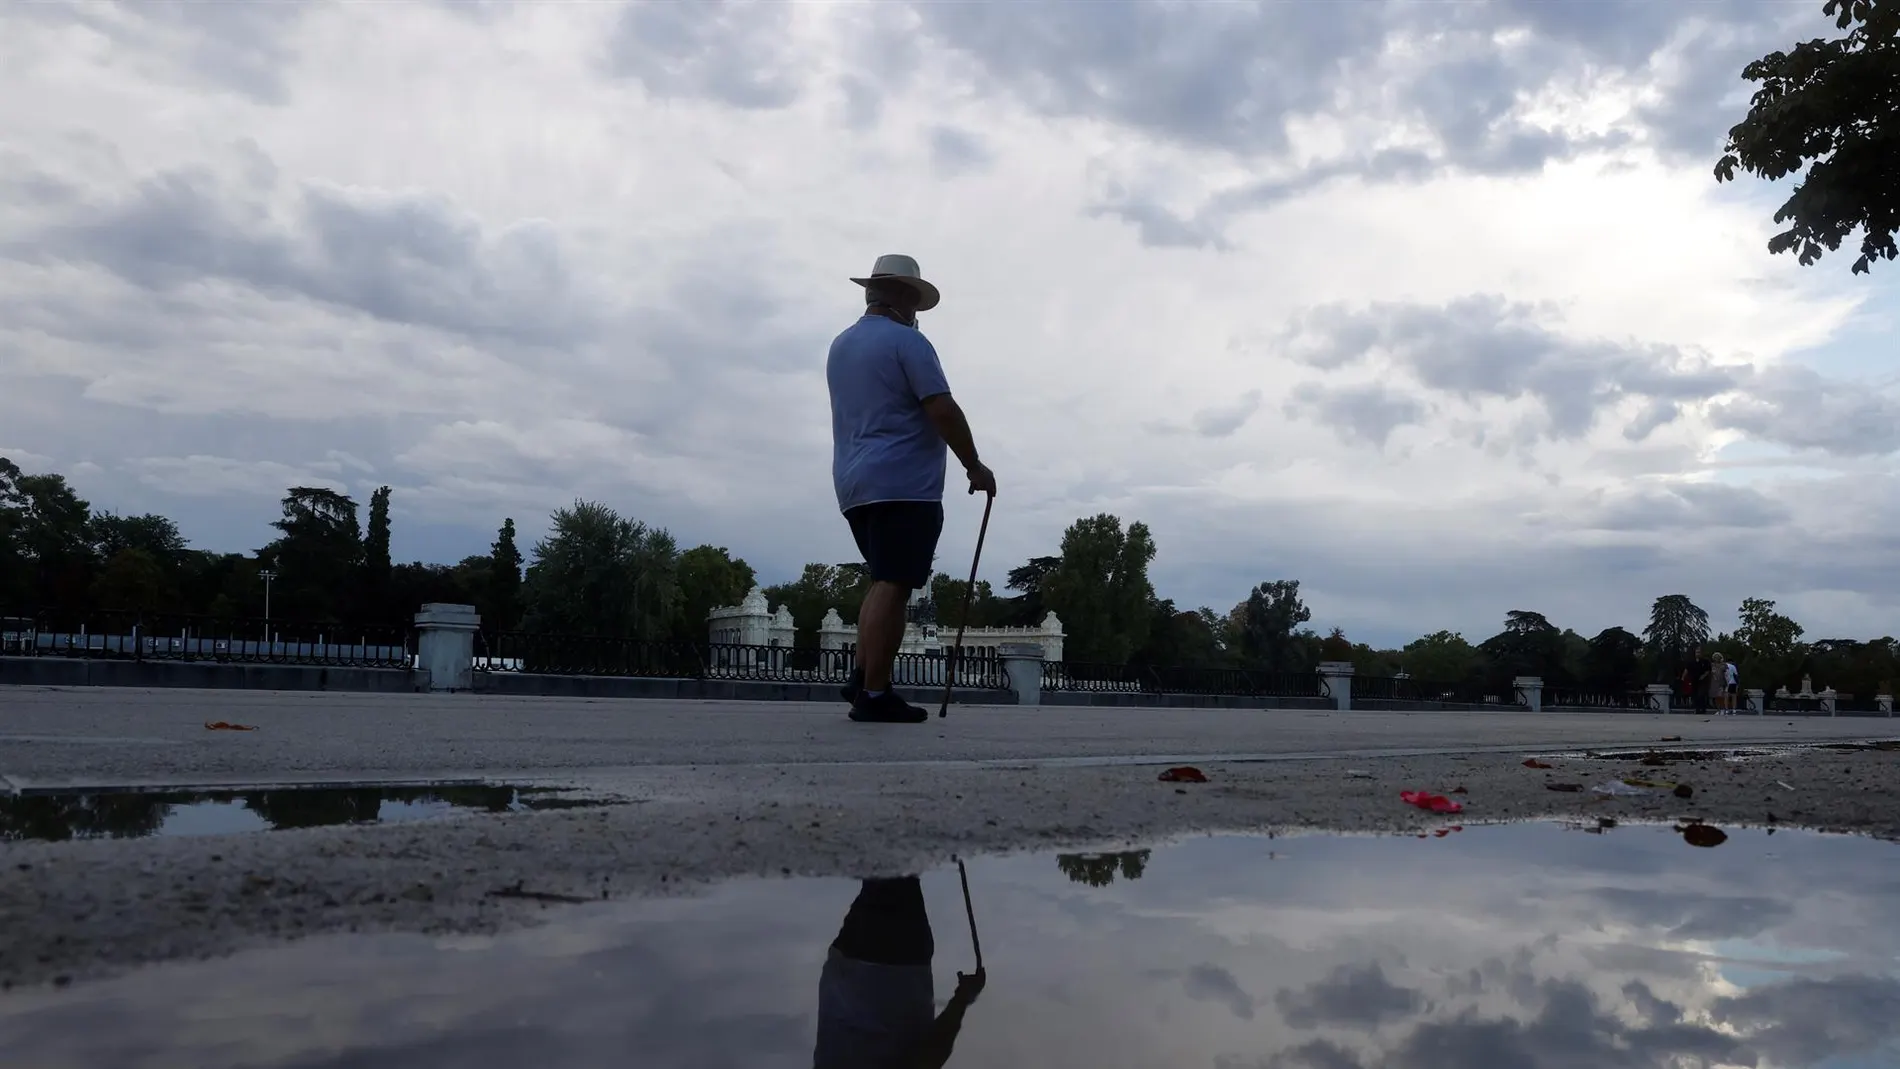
[[220, 725], [1437, 803], [1535, 763], [1183, 774]]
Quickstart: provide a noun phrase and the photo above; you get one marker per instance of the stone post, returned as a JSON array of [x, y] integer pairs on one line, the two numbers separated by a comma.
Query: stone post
[[1883, 704], [1659, 695], [1022, 665], [1827, 697], [445, 646], [834, 661], [1335, 678], [1531, 690], [1755, 701]]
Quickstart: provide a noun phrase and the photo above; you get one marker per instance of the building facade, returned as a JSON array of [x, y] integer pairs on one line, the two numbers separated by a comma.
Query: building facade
[[754, 623]]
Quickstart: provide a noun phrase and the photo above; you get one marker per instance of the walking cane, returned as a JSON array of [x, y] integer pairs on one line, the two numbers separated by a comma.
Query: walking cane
[[969, 592], [970, 913]]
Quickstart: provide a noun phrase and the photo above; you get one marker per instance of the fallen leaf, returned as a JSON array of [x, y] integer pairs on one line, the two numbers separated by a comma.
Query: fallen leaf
[[1533, 762], [220, 725], [1459, 790], [1670, 738], [1683, 790], [1703, 835], [1567, 788], [1437, 803], [1183, 774]]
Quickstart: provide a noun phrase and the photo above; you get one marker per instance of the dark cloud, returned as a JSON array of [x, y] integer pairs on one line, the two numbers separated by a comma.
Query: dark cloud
[[954, 151], [738, 52], [1316, 1054], [1484, 346], [1680, 505], [1231, 78], [1357, 996], [1804, 1021], [1211, 983], [1366, 413], [403, 258], [1221, 421]]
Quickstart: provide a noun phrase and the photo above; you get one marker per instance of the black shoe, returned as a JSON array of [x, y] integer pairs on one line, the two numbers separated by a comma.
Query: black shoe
[[887, 708], [850, 690]]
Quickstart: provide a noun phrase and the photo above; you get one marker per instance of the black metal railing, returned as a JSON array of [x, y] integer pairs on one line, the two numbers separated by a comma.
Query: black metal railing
[[1856, 703], [551, 654], [1080, 676], [150, 636], [1083, 677], [1431, 691], [1595, 698]]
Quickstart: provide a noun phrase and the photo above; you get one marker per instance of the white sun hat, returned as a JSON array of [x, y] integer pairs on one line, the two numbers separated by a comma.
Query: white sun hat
[[897, 267]]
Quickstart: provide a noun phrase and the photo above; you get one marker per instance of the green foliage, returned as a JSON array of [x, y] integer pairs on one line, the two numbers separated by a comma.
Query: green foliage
[[598, 573], [1442, 657], [1676, 627], [1335, 646], [1613, 662], [1026, 609], [946, 599], [133, 579], [1100, 589], [1189, 639], [1264, 625], [1832, 107], [817, 588], [318, 558], [1100, 870], [45, 533], [710, 577], [503, 608], [1529, 645]]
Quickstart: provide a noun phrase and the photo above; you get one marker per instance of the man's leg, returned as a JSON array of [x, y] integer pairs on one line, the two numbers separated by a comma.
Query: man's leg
[[880, 633]]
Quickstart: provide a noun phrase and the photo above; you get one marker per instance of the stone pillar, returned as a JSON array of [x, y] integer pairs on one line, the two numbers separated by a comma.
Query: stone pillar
[[1335, 678], [445, 645], [1022, 666], [834, 660], [1827, 697], [1659, 695], [1530, 689], [1883, 704], [1755, 701]]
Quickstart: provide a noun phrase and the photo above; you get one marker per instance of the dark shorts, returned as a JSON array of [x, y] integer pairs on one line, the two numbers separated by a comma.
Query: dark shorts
[[898, 540], [1733, 687]]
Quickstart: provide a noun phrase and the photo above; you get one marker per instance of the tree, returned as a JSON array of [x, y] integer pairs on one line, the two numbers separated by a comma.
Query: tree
[[818, 588], [1771, 643], [373, 592], [1834, 108], [1026, 608], [131, 579], [946, 600], [1676, 628], [1100, 590], [1613, 662], [710, 577], [1265, 626], [1336, 646], [45, 530], [1529, 645], [1100, 870], [319, 556], [503, 611], [156, 535], [598, 573], [1440, 657], [1184, 639]]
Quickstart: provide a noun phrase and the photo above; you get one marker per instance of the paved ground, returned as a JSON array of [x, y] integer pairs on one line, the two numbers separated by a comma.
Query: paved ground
[[727, 789]]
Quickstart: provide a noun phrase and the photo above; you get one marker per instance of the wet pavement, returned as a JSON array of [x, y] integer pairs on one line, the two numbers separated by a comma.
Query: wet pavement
[[1536, 945], [62, 816]]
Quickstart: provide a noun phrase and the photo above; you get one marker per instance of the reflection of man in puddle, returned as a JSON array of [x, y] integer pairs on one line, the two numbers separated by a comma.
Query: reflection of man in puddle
[[875, 994]]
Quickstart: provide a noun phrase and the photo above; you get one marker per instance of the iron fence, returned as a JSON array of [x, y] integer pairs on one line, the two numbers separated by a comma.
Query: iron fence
[[1595, 698], [592, 655], [1856, 703], [1408, 689], [1079, 676], [152, 636], [1083, 677]]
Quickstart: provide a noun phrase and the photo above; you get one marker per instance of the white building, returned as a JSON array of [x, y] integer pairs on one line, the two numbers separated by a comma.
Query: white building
[[753, 623]]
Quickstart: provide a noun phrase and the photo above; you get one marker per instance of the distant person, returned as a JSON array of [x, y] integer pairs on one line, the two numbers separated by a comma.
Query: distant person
[[875, 995], [1718, 682], [1698, 680], [1733, 683], [891, 418]]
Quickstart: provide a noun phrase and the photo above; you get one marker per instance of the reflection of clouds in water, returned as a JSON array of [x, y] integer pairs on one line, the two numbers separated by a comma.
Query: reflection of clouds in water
[[1501, 947]]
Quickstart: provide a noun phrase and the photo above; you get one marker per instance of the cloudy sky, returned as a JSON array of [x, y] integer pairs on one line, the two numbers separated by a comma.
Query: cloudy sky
[[1434, 307]]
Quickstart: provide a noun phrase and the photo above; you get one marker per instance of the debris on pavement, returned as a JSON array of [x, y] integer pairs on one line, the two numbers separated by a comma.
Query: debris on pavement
[[223, 725], [1616, 789], [1358, 773], [1532, 762], [1670, 738], [1783, 786], [1184, 774], [1683, 790], [1699, 834], [1460, 789], [1567, 788], [1437, 803]]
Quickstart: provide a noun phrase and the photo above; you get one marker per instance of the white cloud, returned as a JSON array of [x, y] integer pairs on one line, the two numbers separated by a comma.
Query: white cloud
[[506, 257]]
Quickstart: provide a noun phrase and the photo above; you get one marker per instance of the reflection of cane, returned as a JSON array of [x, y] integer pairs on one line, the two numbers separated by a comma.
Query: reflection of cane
[[970, 912]]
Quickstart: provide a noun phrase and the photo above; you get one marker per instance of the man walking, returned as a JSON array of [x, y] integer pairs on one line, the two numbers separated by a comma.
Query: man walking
[[892, 418]]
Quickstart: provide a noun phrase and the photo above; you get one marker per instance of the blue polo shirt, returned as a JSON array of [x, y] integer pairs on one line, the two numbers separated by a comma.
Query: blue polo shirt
[[883, 446]]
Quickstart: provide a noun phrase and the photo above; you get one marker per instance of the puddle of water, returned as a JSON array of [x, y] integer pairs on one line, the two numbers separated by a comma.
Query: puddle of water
[[138, 814], [1501, 946]]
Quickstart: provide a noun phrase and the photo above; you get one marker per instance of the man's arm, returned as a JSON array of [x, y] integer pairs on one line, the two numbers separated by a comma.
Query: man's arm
[[947, 416]]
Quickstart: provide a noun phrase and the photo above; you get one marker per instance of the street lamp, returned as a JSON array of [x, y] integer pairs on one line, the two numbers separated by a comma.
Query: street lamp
[[267, 574]]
